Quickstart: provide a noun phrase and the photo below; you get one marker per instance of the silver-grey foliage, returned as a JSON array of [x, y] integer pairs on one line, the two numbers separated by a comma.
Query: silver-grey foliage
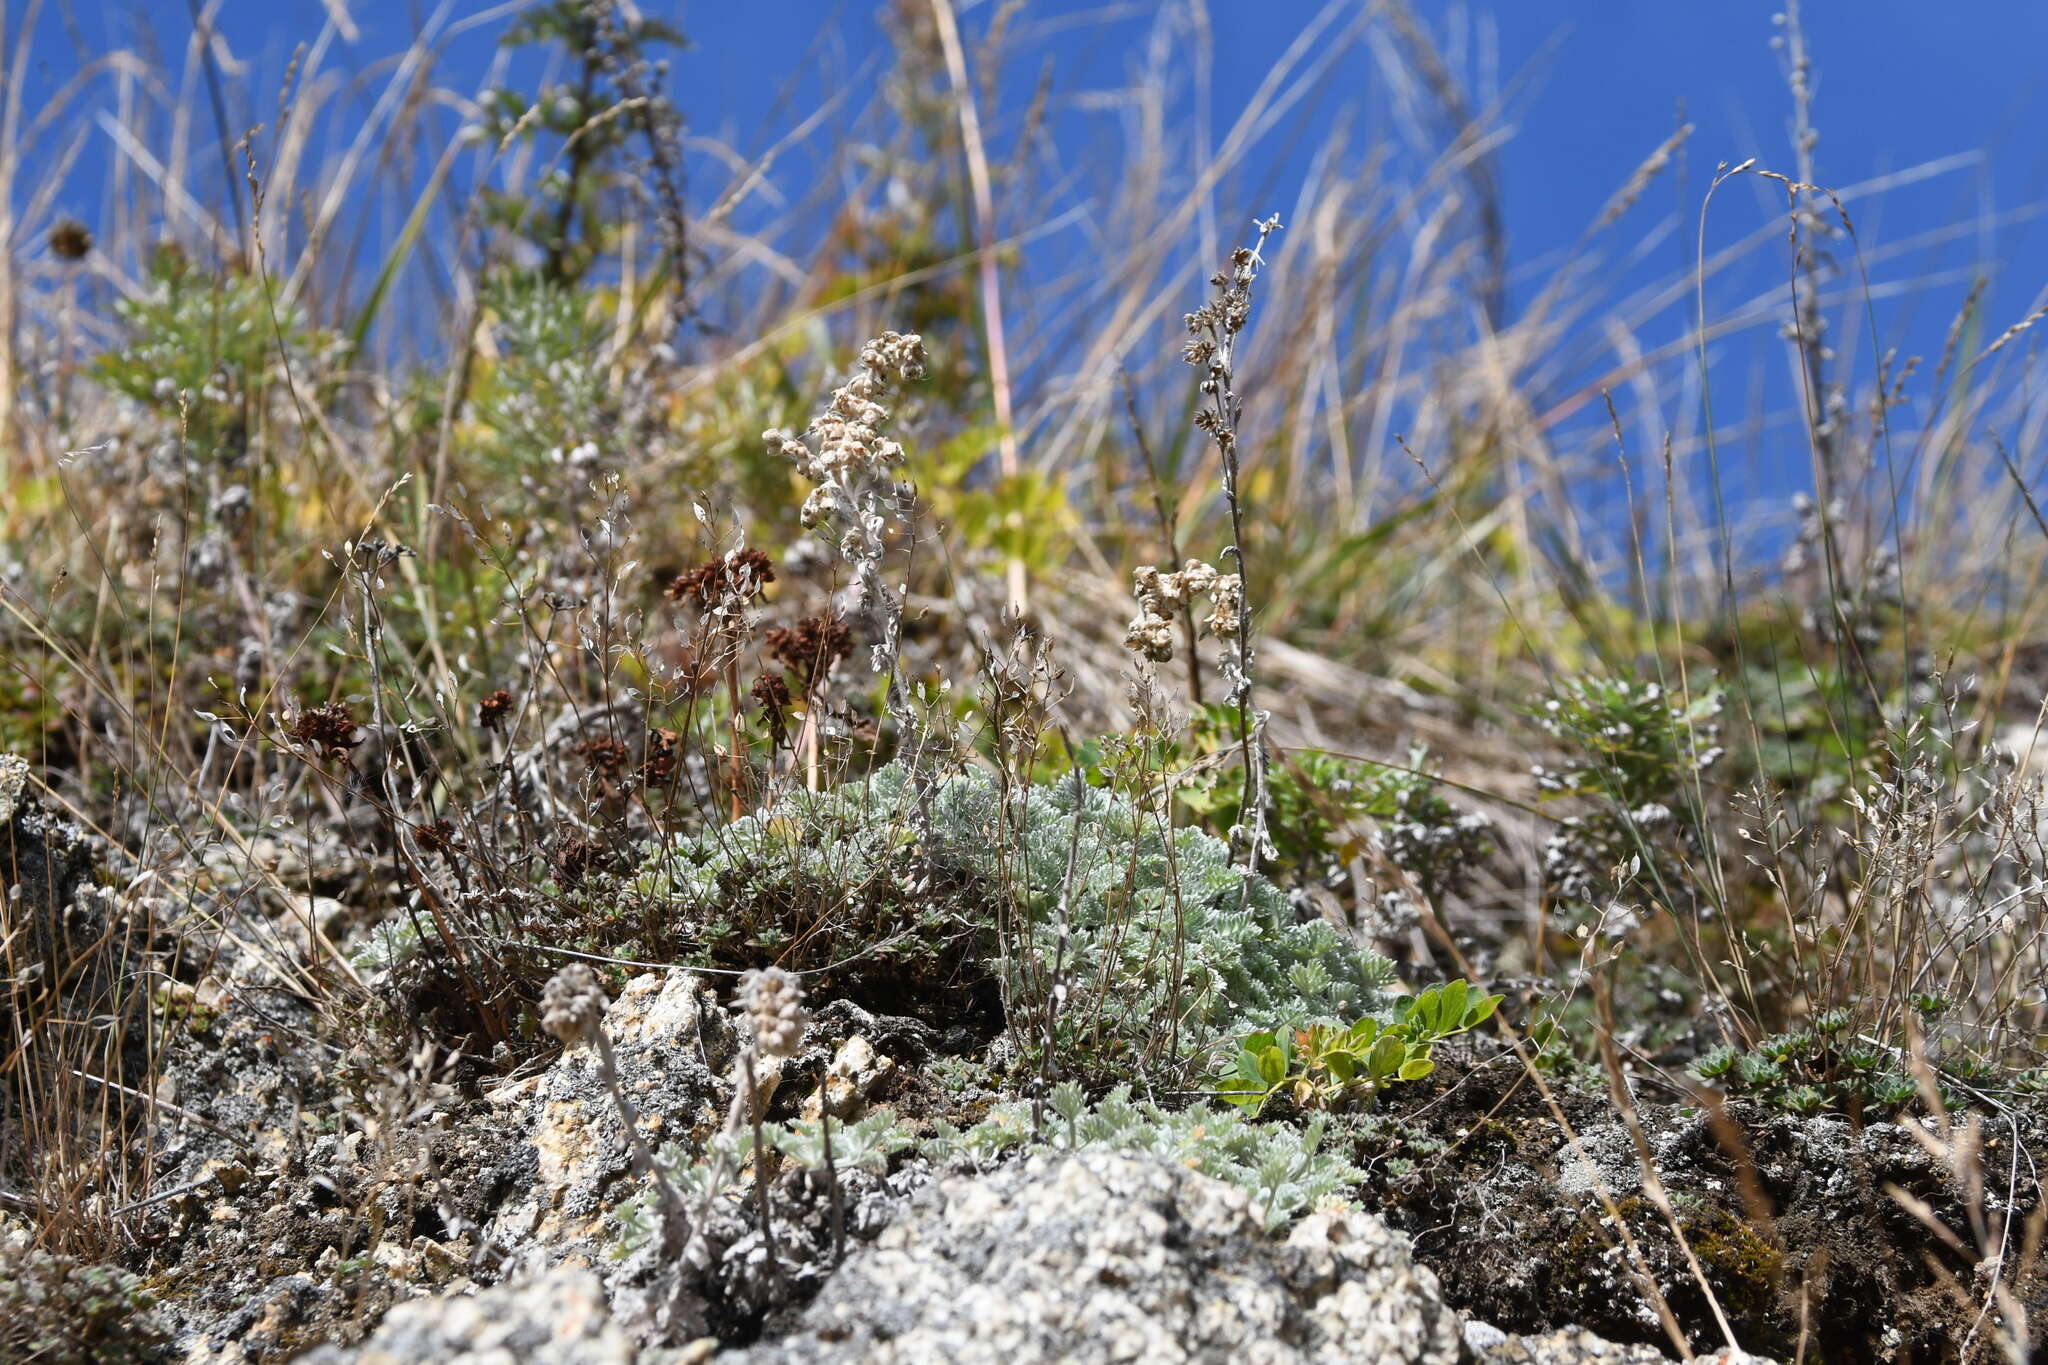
[[1165, 936]]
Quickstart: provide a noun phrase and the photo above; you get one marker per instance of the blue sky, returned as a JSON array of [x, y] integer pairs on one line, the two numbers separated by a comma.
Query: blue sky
[[1589, 85], [1590, 82], [1587, 88]]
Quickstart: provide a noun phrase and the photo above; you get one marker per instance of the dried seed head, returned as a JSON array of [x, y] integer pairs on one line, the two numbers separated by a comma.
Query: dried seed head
[[812, 647], [438, 836], [604, 755], [329, 731], [774, 1002], [660, 763], [572, 1005], [70, 240], [772, 693], [1151, 636], [726, 583], [848, 430], [492, 710]]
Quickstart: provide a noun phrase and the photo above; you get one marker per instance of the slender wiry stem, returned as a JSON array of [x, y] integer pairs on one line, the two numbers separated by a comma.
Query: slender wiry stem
[[1213, 350]]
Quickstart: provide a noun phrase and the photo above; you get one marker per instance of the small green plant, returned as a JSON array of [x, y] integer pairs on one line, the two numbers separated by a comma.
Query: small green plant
[[1637, 753], [1813, 1070], [1553, 1046], [864, 1145], [63, 1311], [1324, 1066]]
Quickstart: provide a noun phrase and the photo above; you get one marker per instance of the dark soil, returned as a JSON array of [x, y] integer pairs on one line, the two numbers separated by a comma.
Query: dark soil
[[1806, 1251]]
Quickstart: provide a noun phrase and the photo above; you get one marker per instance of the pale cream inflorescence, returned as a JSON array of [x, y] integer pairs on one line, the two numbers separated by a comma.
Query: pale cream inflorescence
[[774, 1002], [853, 466], [572, 1004], [1161, 594], [848, 431]]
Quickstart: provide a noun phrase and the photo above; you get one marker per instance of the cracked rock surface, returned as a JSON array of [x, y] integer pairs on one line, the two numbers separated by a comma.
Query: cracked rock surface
[[558, 1319], [1110, 1257]]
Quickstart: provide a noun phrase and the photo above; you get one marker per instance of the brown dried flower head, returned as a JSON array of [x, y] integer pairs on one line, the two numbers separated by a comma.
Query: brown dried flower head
[[70, 240], [577, 857], [437, 837], [732, 579], [812, 648], [604, 755], [329, 731], [660, 763], [494, 710], [772, 694]]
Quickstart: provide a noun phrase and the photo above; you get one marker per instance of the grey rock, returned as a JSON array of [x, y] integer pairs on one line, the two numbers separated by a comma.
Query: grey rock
[[13, 781], [663, 1035], [1481, 1337], [558, 1319], [1110, 1257]]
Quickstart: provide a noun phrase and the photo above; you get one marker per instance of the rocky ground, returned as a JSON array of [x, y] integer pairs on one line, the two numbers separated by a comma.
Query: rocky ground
[[315, 1201]]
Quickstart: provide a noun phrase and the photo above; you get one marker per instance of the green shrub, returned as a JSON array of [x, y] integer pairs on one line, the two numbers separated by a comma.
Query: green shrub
[[203, 348]]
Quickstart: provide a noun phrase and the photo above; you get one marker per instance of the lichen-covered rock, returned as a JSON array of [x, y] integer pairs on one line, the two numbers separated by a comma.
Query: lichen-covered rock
[[663, 1034], [1488, 1345], [558, 1319], [14, 772], [1105, 1257]]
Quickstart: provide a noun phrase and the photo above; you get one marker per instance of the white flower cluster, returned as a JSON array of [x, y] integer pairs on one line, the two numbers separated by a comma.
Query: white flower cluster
[[572, 1004], [848, 431], [853, 467], [1160, 594], [774, 1002]]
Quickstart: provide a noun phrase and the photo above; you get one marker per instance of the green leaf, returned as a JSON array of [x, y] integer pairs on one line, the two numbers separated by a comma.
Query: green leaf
[[1386, 1057], [1482, 1010], [1451, 1004], [1243, 1094], [1415, 1068]]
